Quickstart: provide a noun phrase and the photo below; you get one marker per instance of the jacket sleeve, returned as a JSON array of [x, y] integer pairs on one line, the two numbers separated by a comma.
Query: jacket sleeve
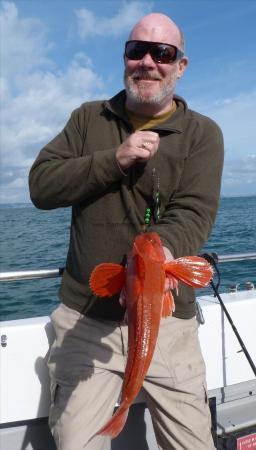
[[62, 175], [187, 220]]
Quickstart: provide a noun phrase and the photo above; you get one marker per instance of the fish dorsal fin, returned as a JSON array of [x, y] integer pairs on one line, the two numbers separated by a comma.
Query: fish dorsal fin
[[107, 279], [192, 270], [168, 304]]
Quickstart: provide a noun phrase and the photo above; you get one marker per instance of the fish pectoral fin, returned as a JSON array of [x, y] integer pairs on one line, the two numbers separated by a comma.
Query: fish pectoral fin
[[107, 279], [192, 270], [168, 304]]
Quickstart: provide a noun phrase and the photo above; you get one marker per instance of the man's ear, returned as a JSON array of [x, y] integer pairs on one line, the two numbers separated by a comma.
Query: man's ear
[[182, 65]]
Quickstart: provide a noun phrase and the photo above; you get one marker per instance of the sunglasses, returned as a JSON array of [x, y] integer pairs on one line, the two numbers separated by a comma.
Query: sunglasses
[[159, 52]]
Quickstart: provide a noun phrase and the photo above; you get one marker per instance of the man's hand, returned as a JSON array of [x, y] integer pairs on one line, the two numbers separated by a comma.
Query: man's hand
[[138, 147]]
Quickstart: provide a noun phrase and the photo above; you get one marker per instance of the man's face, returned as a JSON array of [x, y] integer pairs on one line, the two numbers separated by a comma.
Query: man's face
[[148, 82]]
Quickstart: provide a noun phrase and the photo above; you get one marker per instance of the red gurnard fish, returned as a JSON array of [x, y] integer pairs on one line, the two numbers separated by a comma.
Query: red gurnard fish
[[143, 281]]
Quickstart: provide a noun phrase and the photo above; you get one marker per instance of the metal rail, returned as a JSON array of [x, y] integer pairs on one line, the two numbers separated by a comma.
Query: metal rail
[[31, 274], [236, 257], [54, 273]]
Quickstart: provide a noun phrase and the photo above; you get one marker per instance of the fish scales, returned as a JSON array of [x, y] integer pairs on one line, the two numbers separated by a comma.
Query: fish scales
[[139, 313], [148, 315]]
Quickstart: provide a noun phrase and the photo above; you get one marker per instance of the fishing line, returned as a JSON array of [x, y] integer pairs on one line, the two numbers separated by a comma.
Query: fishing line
[[212, 258]]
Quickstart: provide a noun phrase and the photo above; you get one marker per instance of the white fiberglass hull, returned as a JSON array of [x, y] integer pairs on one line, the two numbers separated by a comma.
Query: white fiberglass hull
[[24, 388]]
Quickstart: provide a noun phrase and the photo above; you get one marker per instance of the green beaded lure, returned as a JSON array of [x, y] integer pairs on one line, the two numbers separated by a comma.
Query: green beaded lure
[[156, 200]]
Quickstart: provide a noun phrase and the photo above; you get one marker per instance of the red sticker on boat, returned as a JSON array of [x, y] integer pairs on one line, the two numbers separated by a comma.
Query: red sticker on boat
[[246, 442]]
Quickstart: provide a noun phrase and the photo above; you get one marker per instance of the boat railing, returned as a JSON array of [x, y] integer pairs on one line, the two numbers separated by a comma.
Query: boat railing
[[31, 274], [54, 273]]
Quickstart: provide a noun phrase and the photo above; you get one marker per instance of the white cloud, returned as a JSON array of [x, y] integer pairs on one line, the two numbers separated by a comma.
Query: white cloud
[[240, 175], [236, 117], [37, 98], [129, 13], [237, 120], [17, 31]]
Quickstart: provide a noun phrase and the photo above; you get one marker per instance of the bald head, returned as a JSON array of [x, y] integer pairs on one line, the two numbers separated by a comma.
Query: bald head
[[158, 27]]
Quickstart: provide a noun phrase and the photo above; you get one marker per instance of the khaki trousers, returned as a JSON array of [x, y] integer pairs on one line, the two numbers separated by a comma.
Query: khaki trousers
[[87, 363]]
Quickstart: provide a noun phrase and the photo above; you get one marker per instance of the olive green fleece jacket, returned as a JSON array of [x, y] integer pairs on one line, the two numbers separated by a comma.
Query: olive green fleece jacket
[[78, 168]]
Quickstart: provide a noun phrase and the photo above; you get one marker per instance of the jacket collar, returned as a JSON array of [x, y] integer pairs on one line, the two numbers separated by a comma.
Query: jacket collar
[[174, 124]]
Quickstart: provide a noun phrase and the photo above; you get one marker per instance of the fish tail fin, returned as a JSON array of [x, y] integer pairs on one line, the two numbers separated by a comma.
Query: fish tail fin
[[107, 279], [168, 304], [115, 425]]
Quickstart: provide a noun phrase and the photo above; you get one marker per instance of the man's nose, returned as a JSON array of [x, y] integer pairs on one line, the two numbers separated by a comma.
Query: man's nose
[[147, 61]]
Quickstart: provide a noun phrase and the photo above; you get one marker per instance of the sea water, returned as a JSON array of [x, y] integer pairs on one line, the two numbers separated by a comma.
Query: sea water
[[32, 239]]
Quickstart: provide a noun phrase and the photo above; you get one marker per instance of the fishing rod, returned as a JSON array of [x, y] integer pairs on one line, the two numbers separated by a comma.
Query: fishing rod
[[212, 258]]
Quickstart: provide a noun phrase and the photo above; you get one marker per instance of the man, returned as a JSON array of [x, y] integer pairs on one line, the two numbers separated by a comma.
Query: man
[[141, 160]]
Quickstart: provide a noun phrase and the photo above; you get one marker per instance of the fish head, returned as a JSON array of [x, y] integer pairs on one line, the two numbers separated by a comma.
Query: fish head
[[148, 245]]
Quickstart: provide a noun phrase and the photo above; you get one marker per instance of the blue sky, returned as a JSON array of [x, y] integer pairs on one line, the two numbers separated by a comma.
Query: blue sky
[[57, 54]]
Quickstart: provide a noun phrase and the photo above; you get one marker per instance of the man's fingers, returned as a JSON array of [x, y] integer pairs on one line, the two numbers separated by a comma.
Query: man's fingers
[[138, 147]]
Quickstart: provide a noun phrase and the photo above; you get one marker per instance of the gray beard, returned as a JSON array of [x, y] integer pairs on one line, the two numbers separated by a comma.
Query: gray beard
[[137, 96]]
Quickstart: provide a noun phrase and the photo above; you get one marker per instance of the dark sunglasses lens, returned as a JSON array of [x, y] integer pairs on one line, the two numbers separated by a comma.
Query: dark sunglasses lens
[[160, 53], [136, 50], [163, 54]]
